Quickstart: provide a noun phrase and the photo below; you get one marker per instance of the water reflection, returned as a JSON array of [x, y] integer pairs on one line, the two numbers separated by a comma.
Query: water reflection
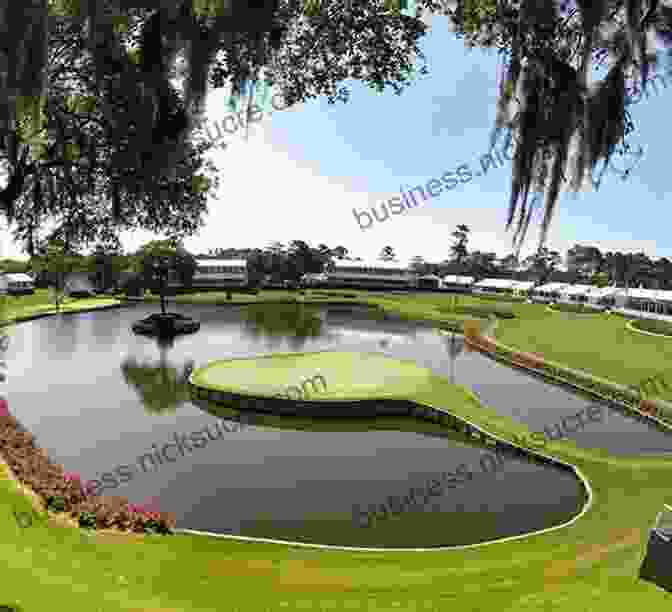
[[161, 387], [295, 324], [455, 347]]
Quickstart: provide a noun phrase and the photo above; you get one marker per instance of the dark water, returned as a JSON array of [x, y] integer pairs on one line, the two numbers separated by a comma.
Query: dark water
[[97, 397]]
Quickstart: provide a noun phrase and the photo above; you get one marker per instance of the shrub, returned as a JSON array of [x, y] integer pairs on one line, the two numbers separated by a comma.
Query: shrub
[[575, 308], [63, 492], [478, 310]]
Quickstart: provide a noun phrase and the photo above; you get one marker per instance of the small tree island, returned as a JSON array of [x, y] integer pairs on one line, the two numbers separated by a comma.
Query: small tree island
[[157, 259]]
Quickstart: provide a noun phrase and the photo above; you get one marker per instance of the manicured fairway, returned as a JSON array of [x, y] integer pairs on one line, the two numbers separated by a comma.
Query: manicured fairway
[[591, 566]]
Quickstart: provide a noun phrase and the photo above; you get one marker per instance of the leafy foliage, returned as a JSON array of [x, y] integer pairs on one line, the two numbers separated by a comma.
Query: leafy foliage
[[64, 493], [96, 136], [547, 98]]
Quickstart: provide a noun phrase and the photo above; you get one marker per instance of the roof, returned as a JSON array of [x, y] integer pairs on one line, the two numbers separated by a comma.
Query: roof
[[552, 287], [523, 285], [578, 289], [384, 265], [501, 283], [429, 277], [605, 291], [649, 294], [221, 262], [19, 277], [458, 280]]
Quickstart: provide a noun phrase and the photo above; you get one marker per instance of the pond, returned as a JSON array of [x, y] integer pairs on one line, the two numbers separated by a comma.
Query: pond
[[99, 398]]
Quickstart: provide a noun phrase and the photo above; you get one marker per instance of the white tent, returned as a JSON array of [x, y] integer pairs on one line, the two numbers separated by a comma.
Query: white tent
[[575, 293], [495, 285], [462, 281]]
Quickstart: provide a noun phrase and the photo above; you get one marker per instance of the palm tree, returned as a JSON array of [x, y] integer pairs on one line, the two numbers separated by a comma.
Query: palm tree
[[387, 254], [340, 252], [459, 248]]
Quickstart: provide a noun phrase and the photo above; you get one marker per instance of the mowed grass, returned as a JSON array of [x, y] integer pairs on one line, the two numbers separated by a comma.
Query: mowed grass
[[591, 565], [599, 344], [347, 376], [16, 307]]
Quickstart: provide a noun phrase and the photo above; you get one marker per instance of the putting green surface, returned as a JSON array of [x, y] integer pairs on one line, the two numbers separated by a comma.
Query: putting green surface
[[347, 376]]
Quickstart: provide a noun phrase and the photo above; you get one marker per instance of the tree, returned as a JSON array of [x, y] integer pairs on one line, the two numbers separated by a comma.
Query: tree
[[161, 259], [301, 259], [510, 262], [13, 266], [56, 262], [459, 249], [586, 260], [340, 252], [418, 265], [547, 98], [94, 89], [544, 263], [601, 279], [481, 264], [75, 148], [387, 254]]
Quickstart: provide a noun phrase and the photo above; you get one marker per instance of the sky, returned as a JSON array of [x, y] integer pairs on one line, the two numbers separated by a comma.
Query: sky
[[302, 171]]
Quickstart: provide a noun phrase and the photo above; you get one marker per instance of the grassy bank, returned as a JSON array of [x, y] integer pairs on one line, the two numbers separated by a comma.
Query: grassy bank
[[591, 565], [24, 306]]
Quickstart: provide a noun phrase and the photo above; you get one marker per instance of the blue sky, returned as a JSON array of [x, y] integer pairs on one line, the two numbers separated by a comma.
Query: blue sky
[[301, 171]]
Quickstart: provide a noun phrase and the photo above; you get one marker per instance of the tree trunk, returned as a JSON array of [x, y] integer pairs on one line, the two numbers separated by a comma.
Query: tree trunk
[[163, 299]]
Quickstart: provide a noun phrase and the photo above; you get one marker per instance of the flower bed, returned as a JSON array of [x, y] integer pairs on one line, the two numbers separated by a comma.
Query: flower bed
[[63, 493]]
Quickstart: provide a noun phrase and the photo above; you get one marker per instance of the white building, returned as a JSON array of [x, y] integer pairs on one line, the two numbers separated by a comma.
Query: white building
[[575, 293], [548, 292], [220, 272], [428, 281], [17, 284], [361, 273], [495, 285], [604, 296], [647, 300], [457, 282]]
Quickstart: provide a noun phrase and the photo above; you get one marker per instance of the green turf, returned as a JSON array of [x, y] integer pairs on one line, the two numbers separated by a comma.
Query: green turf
[[23, 306], [654, 326], [347, 376], [591, 565]]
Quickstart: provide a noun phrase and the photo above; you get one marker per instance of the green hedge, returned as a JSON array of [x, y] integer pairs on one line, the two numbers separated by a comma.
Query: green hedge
[[499, 298], [478, 311], [654, 326], [576, 308]]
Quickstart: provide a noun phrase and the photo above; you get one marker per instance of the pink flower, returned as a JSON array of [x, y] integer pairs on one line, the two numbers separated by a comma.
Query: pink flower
[[4, 407]]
